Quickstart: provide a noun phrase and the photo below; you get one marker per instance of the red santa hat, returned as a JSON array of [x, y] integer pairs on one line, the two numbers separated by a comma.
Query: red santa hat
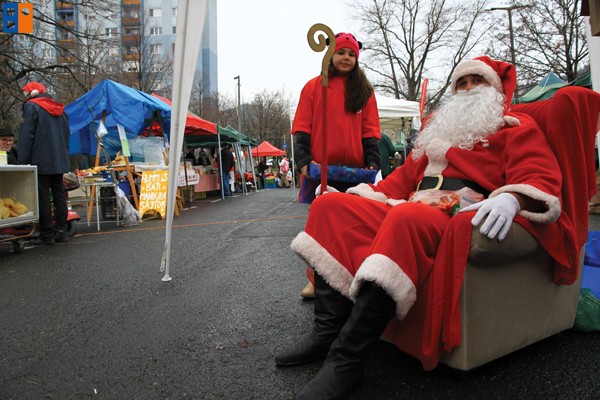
[[348, 40], [501, 75], [34, 88]]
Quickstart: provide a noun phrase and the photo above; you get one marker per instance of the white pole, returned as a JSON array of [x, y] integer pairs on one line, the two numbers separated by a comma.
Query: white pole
[[190, 23]]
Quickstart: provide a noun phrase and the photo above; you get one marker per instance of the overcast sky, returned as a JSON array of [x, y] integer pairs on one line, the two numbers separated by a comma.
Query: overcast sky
[[264, 42]]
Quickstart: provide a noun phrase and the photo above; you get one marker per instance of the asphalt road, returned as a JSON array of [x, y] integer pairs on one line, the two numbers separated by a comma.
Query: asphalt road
[[92, 319]]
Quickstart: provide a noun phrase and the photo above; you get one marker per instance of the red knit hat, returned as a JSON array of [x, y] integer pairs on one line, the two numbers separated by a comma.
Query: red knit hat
[[34, 88], [499, 74], [348, 40]]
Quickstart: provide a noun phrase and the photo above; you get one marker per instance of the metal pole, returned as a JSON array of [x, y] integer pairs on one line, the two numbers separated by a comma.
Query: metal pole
[[239, 124], [510, 27]]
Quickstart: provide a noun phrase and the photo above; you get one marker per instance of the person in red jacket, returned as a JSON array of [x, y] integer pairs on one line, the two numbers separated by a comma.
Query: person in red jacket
[[353, 130], [44, 141], [374, 247]]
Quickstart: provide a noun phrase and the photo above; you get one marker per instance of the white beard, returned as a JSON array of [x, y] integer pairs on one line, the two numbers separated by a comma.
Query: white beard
[[465, 119]]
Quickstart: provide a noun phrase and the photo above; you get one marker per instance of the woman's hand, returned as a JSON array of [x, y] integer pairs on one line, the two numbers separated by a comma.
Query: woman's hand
[[304, 169]]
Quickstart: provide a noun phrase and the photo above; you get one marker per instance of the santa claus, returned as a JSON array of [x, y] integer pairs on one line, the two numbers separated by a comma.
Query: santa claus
[[373, 249]]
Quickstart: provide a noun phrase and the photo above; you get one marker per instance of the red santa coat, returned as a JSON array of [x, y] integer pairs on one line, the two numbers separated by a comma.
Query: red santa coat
[[413, 248], [345, 129]]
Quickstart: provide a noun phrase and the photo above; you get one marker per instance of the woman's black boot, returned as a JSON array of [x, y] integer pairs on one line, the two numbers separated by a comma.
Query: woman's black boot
[[343, 368], [331, 312]]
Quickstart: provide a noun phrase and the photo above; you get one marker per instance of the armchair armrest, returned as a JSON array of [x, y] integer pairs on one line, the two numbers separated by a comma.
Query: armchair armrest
[[518, 243]]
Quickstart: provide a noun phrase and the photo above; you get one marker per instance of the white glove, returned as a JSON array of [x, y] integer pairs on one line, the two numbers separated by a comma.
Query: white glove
[[329, 190], [500, 211]]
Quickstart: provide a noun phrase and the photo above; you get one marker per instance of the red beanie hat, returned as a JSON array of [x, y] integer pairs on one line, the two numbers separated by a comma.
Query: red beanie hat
[[501, 75], [34, 88], [347, 40]]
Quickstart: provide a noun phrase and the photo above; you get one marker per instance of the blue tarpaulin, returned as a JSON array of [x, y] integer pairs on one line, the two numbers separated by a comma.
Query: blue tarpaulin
[[591, 263], [131, 108]]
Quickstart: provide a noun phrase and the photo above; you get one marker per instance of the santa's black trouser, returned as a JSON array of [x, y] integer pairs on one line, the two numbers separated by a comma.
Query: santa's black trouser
[[331, 312], [343, 368]]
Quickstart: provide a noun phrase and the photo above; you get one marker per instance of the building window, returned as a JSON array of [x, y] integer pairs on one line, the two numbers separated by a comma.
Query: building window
[[156, 12], [156, 48], [132, 31], [156, 31], [47, 53], [174, 30], [173, 48], [174, 11], [111, 32], [132, 50]]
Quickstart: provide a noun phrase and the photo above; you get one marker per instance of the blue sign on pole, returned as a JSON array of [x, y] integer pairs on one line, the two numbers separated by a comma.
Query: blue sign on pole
[[284, 146]]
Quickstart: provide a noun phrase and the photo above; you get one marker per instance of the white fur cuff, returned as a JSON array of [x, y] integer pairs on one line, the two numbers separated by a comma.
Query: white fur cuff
[[552, 202], [386, 273], [334, 273], [366, 191]]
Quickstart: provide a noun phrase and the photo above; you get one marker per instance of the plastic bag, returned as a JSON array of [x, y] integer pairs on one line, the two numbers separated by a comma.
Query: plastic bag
[[587, 318], [70, 181], [449, 201], [130, 216]]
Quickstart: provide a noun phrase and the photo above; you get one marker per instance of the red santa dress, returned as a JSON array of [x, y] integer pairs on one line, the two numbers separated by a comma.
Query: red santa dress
[[412, 248]]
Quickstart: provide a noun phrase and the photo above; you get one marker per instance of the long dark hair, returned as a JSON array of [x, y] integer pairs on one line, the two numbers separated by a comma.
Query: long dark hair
[[358, 88]]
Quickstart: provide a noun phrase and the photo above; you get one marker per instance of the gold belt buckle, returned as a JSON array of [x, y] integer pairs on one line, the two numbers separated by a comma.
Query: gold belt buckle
[[440, 181]]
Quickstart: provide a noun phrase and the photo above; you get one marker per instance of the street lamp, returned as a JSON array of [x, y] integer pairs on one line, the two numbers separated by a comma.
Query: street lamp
[[510, 27], [239, 124]]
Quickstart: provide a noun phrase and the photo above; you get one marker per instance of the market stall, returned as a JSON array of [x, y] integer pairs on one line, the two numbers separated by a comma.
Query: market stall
[[104, 120]]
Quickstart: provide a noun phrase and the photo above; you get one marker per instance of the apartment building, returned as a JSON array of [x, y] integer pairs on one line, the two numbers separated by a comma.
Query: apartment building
[[137, 36]]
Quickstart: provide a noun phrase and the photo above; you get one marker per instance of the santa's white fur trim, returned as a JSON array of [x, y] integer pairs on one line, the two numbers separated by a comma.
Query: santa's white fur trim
[[387, 274], [512, 121], [334, 273], [394, 202], [476, 67], [436, 156], [366, 191], [552, 202]]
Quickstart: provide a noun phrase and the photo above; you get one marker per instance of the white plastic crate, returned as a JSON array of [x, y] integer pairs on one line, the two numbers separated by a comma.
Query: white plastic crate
[[20, 182]]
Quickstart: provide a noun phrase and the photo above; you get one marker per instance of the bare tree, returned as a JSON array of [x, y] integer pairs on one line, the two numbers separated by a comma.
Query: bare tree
[[409, 40], [267, 117], [65, 56], [549, 35], [225, 112]]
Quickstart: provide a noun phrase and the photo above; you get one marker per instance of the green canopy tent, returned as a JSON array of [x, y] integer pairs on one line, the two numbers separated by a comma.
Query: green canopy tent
[[228, 135], [544, 89], [550, 84]]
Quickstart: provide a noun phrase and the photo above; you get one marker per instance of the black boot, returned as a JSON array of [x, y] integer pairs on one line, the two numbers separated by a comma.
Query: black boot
[[343, 368], [331, 311]]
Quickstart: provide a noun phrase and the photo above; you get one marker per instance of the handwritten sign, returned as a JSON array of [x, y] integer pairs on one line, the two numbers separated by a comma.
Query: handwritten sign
[[192, 175], [153, 192]]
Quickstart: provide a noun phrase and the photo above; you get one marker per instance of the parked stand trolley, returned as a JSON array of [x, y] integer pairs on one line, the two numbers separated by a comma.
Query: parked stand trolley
[[19, 210]]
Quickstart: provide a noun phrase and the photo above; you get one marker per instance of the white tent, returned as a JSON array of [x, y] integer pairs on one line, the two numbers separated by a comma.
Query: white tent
[[392, 110]]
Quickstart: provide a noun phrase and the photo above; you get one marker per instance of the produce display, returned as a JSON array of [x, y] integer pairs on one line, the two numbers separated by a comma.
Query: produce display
[[10, 207]]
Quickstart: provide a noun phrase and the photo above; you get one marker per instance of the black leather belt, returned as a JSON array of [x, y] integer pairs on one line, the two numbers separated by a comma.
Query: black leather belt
[[441, 183]]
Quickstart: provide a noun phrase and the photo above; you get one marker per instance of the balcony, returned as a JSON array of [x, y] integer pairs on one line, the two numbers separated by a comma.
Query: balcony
[[64, 6], [131, 2], [131, 39], [131, 21], [131, 57]]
